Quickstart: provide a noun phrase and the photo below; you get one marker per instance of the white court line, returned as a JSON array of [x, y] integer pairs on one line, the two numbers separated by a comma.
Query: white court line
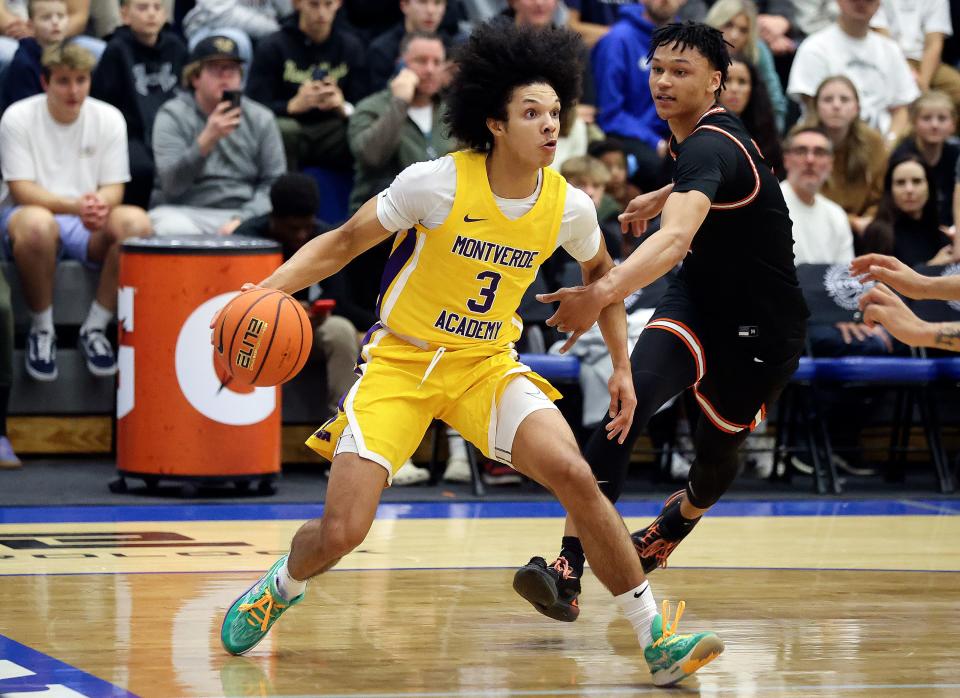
[[929, 507], [636, 690]]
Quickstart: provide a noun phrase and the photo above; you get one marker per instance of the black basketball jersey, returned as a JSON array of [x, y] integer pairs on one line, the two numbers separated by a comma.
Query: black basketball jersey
[[740, 270]]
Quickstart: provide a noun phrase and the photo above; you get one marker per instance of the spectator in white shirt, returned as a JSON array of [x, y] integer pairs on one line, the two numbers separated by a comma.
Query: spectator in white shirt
[[821, 232], [64, 162], [919, 28], [874, 63]]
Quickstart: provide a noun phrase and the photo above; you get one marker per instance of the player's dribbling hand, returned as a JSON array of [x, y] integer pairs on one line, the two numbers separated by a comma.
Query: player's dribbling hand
[[623, 402], [578, 311], [243, 289]]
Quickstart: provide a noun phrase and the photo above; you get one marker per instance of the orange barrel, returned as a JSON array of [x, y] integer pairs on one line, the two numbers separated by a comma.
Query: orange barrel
[[175, 418]]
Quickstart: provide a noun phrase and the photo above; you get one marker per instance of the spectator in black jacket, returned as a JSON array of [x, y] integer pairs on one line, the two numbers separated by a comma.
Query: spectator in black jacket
[[48, 19], [310, 73], [421, 16], [138, 72]]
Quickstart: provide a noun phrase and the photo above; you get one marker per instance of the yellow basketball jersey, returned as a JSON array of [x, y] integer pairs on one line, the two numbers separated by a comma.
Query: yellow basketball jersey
[[461, 283]]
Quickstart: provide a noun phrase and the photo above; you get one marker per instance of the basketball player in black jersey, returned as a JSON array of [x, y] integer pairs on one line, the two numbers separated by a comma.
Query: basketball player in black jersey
[[731, 325]]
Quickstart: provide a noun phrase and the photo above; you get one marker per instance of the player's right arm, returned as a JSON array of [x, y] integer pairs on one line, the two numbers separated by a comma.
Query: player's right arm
[[327, 254], [903, 279]]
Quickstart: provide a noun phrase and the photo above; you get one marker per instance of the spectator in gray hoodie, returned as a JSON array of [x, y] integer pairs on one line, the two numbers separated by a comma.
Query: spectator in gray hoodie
[[216, 154]]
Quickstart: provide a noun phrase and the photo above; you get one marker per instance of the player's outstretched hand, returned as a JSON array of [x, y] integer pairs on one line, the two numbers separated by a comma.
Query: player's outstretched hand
[[890, 271], [578, 311], [881, 306], [623, 402], [641, 209]]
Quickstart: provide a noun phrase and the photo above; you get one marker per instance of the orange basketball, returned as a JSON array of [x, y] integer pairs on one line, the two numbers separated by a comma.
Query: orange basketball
[[262, 338]]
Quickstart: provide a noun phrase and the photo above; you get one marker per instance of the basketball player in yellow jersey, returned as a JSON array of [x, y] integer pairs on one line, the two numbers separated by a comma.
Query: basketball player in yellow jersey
[[473, 230]]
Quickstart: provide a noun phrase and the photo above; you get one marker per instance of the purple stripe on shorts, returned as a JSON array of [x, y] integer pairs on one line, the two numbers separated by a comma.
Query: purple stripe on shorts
[[398, 258]]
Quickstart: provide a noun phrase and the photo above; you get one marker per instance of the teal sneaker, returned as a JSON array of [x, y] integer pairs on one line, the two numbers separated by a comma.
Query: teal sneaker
[[673, 657], [251, 616]]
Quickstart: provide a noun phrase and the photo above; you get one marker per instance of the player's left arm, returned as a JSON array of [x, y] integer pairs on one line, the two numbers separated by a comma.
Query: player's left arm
[[613, 327], [327, 254], [683, 214], [580, 307]]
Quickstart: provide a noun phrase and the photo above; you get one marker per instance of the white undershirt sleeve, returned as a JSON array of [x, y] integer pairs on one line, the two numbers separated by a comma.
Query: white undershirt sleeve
[[580, 233], [422, 193]]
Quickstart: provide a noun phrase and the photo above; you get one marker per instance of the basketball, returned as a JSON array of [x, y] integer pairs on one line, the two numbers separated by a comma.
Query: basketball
[[262, 338]]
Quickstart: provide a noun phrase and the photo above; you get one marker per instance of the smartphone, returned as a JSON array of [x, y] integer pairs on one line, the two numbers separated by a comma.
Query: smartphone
[[232, 96], [319, 74], [400, 65]]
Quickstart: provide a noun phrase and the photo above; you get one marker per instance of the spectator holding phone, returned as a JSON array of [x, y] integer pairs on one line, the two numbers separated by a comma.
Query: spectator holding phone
[[399, 126], [216, 154], [309, 74]]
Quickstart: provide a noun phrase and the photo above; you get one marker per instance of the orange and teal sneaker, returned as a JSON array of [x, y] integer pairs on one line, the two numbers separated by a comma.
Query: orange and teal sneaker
[[253, 614], [672, 657]]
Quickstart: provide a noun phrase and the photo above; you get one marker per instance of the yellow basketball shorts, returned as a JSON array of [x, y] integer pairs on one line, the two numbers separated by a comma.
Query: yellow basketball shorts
[[403, 388]]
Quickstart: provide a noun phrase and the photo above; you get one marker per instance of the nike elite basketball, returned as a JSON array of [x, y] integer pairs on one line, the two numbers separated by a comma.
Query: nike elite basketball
[[262, 338]]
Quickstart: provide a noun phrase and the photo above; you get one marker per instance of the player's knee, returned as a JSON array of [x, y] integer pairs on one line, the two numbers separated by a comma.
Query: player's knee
[[571, 475], [341, 535]]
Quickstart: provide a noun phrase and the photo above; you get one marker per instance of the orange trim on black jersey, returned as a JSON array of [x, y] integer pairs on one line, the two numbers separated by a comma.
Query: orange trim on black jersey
[[756, 175]]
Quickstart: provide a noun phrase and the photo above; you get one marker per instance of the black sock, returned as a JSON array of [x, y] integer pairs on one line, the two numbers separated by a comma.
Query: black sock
[[572, 550], [675, 525]]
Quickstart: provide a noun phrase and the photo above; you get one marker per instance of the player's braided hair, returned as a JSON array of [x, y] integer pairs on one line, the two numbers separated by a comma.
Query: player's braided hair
[[707, 40], [496, 59]]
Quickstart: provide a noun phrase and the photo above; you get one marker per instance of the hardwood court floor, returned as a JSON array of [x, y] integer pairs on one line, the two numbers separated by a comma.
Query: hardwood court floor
[[444, 620]]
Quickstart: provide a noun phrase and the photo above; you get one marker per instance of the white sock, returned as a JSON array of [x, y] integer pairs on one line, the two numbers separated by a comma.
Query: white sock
[[456, 446], [97, 318], [42, 321], [288, 587], [640, 608]]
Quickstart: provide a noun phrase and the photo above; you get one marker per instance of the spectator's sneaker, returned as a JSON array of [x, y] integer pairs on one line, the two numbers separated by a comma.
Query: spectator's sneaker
[[652, 547], [97, 352], [494, 473], [457, 470], [410, 474], [253, 614], [553, 590], [673, 657], [41, 355], [8, 459]]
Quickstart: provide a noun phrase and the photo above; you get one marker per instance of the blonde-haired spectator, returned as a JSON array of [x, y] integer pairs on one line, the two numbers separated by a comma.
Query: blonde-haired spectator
[[933, 121], [64, 162], [737, 19]]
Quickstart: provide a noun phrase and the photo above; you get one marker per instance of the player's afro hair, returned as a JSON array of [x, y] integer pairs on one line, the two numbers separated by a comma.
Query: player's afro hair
[[704, 38], [496, 59]]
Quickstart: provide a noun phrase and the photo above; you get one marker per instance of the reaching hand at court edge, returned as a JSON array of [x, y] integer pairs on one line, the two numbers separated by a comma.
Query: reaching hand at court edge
[[579, 309]]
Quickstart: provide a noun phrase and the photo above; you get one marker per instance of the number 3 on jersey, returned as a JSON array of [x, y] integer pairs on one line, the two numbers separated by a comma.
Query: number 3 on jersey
[[487, 292]]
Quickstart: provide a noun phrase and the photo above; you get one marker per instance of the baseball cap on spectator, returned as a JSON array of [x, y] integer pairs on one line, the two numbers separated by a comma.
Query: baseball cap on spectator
[[212, 48]]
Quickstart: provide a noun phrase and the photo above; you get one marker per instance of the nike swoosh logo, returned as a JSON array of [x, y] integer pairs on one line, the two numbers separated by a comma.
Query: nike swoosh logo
[[468, 219], [637, 594]]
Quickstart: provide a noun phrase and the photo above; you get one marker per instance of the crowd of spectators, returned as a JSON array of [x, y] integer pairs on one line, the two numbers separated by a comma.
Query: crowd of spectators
[[173, 118]]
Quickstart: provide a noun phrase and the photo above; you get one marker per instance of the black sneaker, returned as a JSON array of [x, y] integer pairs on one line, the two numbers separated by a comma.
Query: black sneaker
[[97, 352], [41, 355], [652, 547], [553, 589]]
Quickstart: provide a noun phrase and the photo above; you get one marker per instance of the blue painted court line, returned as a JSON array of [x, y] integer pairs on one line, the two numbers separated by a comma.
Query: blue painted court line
[[25, 670], [466, 510]]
